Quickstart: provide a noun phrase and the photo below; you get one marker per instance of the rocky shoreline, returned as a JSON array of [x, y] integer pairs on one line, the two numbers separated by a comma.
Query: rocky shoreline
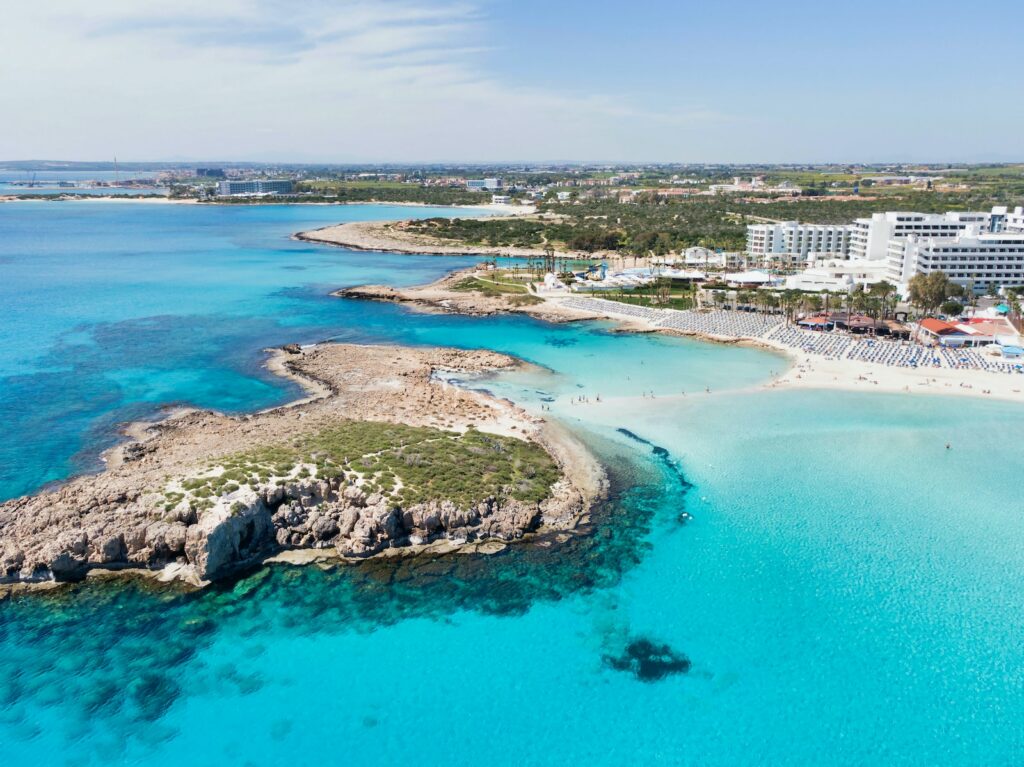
[[201, 495], [443, 295]]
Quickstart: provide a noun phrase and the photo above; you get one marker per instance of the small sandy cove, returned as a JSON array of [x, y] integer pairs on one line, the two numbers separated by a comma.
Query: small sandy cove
[[814, 371]]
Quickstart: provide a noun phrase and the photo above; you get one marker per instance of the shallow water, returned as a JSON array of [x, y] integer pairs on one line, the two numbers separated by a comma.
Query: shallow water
[[847, 591]]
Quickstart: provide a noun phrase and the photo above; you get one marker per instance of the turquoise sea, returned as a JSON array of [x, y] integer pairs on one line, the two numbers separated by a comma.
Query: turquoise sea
[[779, 578]]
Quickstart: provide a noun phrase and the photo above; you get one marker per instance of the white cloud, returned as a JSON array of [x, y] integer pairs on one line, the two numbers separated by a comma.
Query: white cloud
[[318, 80]]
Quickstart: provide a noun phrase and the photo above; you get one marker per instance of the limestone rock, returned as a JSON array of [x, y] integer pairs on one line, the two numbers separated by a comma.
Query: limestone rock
[[133, 514]]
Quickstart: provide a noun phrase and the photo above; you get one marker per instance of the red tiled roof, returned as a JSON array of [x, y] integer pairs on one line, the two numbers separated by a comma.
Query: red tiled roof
[[938, 327]]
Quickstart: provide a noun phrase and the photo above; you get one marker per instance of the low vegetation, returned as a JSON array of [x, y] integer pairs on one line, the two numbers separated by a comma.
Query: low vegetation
[[354, 191], [514, 294], [636, 298], [654, 225], [406, 464]]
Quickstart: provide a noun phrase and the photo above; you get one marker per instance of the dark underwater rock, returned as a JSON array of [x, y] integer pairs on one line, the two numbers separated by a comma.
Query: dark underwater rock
[[648, 661]]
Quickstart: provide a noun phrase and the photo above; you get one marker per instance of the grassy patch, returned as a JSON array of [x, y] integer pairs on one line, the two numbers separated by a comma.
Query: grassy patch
[[682, 302], [524, 300], [406, 464], [490, 287], [514, 294]]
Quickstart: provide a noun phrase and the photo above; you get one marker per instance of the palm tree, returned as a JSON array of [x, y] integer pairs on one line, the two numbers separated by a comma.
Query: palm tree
[[759, 299], [884, 291], [789, 301], [827, 295], [860, 300], [1013, 301]]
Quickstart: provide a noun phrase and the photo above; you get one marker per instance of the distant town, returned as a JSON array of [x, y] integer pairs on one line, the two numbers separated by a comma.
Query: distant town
[[808, 229]]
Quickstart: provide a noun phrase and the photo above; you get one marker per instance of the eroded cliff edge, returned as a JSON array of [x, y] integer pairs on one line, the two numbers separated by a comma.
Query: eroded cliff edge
[[383, 456]]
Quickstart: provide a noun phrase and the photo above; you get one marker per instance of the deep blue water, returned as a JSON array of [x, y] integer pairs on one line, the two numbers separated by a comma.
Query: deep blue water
[[111, 311], [846, 592]]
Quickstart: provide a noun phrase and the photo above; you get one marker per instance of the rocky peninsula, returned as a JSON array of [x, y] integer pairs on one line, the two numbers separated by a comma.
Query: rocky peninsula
[[383, 456], [474, 292], [399, 237]]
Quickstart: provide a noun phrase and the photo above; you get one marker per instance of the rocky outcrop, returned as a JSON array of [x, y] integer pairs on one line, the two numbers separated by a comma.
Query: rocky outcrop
[[372, 293], [126, 518], [446, 295], [249, 525]]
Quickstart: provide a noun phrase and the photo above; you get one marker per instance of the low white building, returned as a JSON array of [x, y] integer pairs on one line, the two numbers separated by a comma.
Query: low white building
[[552, 284], [838, 275], [749, 278], [703, 257]]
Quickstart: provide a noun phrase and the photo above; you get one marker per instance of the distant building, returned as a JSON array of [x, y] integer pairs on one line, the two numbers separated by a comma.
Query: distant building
[[900, 180], [755, 184], [484, 184], [501, 199], [255, 186], [210, 172]]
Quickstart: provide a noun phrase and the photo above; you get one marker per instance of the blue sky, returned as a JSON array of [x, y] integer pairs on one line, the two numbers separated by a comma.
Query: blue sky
[[465, 80]]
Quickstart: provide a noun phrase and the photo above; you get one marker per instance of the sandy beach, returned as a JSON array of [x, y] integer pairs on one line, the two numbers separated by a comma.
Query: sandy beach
[[815, 371], [808, 371], [803, 369]]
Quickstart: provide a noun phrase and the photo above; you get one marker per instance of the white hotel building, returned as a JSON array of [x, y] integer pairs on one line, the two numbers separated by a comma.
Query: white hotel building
[[870, 237], [979, 260], [980, 250], [791, 243]]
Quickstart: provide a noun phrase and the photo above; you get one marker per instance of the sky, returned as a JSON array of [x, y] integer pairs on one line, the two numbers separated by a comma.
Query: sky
[[358, 81]]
